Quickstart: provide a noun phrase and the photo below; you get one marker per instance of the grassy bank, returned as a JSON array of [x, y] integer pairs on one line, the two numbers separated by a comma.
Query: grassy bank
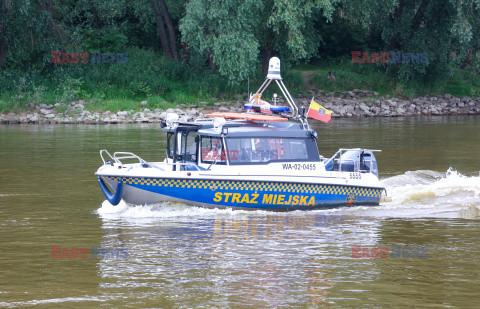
[[164, 84], [122, 86], [113, 86], [350, 76]]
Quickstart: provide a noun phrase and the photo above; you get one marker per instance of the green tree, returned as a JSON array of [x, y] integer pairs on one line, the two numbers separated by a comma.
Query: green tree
[[163, 18], [224, 31], [28, 29], [232, 33], [466, 30], [437, 27], [157, 17]]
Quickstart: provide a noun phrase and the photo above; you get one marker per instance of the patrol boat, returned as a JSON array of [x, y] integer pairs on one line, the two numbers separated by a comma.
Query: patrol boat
[[266, 158]]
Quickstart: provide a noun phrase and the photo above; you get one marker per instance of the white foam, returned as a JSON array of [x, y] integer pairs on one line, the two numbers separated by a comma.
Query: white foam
[[23, 194], [164, 210], [419, 193], [48, 301], [451, 187]]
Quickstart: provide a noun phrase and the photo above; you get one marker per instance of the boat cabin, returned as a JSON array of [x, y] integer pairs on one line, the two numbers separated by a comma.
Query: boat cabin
[[199, 145]]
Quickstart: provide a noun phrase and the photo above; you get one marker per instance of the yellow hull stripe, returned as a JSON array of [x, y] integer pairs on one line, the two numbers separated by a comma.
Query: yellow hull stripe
[[252, 186]]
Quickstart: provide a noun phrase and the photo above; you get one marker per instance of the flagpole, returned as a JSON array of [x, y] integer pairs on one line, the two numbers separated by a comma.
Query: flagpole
[[309, 107], [306, 116]]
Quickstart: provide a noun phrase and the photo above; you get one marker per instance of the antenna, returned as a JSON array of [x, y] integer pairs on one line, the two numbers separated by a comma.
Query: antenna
[[248, 85]]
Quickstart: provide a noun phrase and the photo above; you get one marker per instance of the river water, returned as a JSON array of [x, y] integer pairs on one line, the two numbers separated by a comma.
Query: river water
[[62, 245]]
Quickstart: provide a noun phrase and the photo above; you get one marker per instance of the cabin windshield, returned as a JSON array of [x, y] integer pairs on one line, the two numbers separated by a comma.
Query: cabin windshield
[[252, 149]]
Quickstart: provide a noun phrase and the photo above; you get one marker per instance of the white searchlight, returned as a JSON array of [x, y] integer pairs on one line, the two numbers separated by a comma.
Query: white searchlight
[[274, 68], [171, 119], [218, 123]]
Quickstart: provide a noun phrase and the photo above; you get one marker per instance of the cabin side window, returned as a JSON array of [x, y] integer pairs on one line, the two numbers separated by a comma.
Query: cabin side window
[[212, 150], [189, 146], [263, 149], [186, 145]]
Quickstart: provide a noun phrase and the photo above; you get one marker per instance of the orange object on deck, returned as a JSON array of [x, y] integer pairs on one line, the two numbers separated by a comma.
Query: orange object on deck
[[247, 116]]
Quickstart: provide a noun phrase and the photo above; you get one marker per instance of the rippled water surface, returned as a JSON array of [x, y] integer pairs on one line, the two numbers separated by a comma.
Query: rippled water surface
[[62, 245]]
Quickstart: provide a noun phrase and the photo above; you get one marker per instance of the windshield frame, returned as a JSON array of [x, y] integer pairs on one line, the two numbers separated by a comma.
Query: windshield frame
[[310, 145]]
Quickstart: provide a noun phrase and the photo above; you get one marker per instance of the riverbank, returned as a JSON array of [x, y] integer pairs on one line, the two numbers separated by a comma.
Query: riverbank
[[359, 103]]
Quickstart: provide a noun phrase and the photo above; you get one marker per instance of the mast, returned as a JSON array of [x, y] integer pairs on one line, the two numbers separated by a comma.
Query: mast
[[274, 74]]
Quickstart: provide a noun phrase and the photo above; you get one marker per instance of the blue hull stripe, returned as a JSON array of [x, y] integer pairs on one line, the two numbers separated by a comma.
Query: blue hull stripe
[[258, 194]]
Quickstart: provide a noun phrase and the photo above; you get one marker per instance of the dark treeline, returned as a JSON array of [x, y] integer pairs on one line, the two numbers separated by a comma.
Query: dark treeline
[[201, 47]]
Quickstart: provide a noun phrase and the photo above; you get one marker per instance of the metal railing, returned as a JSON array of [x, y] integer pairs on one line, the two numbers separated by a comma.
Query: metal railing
[[108, 153], [119, 156], [356, 163]]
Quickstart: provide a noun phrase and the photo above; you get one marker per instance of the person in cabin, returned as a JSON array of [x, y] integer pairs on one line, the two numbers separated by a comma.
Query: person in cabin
[[263, 150], [215, 150]]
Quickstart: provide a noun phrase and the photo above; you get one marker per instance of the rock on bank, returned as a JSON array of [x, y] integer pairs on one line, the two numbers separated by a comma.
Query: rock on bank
[[358, 103]]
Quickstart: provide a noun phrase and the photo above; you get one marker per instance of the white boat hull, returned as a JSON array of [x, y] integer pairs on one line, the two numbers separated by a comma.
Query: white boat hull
[[253, 191]]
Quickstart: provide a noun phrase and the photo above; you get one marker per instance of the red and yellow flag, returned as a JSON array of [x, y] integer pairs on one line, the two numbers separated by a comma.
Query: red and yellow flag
[[316, 111]]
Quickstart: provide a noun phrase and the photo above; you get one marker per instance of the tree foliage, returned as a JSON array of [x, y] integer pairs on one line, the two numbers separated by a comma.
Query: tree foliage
[[224, 31], [441, 28], [236, 32], [233, 36]]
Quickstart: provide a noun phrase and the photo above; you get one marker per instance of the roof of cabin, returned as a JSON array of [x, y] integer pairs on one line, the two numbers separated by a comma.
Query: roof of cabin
[[243, 128]]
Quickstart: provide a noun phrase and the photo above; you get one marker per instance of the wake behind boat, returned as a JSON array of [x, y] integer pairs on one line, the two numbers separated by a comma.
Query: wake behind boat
[[266, 158]]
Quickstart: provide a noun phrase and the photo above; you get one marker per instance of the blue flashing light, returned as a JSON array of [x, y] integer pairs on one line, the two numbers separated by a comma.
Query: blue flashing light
[[273, 108]]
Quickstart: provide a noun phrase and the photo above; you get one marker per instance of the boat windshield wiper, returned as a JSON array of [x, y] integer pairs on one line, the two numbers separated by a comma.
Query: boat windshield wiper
[[214, 161]]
